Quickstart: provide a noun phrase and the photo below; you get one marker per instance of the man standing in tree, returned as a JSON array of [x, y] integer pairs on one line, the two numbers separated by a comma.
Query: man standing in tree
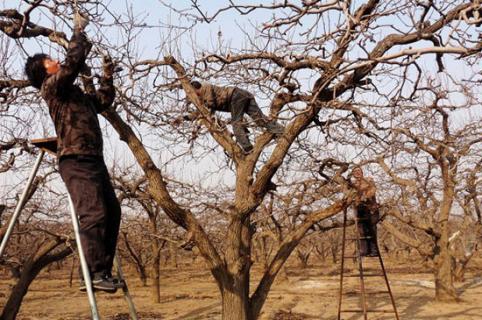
[[238, 102], [79, 145], [367, 213]]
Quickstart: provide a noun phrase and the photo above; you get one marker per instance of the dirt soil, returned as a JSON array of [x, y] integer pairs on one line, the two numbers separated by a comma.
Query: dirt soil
[[312, 293]]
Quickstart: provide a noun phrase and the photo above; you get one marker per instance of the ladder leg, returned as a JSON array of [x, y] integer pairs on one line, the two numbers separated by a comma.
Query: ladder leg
[[21, 203], [127, 295], [360, 269], [392, 299], [83, 262], [342, 263]]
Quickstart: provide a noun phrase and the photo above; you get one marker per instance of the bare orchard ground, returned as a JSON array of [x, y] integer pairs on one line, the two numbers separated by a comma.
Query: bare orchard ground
[[190, 293]]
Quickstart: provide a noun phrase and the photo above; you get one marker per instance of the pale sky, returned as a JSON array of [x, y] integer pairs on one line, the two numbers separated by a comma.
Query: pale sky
[[228, 28]]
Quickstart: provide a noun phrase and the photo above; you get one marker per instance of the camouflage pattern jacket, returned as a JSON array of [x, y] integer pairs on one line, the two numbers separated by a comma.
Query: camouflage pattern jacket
[[219, 98], [74, 112], [366, 190]]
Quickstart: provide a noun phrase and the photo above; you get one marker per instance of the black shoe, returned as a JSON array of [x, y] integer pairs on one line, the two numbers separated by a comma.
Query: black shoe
[[119, 283], [373, 249], [373, 253], [101, 282], [247, 149], [271, 186]]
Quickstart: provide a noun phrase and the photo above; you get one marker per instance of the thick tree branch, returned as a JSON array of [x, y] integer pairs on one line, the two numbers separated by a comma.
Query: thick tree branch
[[287, 246]]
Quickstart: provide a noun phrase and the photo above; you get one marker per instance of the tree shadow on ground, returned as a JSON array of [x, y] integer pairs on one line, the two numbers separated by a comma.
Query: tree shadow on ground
[[473, 283], [374, 304], [289, 315], [206, 312], [470, 313], [141, 315], [416, 302]]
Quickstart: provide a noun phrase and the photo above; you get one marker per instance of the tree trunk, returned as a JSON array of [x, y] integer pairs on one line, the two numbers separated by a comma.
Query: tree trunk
[[19, 291], [444, 286], [156, 276], [71, 274], [334, 255], [235, 285], [2, 209], [263, 258], [31, 269], [136, 258], [303, 258], [142, 275], [235, 303], [172, 255], [156, 254], [458, 269]]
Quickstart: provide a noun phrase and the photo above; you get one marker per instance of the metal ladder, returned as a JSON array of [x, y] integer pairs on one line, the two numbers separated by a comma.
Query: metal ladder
[[363, 294], [50, 145]]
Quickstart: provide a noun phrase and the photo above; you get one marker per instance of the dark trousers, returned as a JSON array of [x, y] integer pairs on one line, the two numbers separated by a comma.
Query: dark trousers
[[97, 207], [244, 102], [368, 217]]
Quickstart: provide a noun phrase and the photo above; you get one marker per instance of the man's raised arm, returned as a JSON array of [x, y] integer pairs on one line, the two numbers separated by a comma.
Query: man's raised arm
[[79, 48], [104, 96]]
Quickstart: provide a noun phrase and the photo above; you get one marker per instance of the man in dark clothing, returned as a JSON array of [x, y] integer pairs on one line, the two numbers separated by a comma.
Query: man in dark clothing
[[367, 213], [79, 144], [238, 102]]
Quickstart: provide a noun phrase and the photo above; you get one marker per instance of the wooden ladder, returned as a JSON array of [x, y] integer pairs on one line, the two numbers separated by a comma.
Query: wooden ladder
[[363, 294]]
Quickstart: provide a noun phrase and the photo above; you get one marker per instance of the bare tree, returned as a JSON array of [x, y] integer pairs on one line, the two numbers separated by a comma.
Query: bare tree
[[35, 244], [347, 47], [49, 251], [430, 189]]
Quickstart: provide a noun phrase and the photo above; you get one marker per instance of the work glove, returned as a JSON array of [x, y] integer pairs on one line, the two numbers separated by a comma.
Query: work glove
[[108, 66]]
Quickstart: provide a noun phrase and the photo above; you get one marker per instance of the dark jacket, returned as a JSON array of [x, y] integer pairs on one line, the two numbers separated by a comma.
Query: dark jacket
[[74, 112], [220, 98]]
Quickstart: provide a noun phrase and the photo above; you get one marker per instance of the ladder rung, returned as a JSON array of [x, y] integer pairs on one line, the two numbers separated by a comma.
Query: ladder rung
[[368, 292], [349, 257], [368, 310], [370, 272], [359, 238]]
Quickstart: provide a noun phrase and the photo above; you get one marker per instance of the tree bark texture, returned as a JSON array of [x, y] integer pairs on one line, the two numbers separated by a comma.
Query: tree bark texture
[[42, 258]]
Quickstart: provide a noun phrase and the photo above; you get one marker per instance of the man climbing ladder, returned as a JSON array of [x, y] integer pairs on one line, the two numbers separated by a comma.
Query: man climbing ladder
[[365, 238], [367, 213], [80, 147]]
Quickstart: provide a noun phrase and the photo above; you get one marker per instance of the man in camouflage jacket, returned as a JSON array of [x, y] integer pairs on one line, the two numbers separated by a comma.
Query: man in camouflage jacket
[[367, 213], [79, 144], [238, 102]]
